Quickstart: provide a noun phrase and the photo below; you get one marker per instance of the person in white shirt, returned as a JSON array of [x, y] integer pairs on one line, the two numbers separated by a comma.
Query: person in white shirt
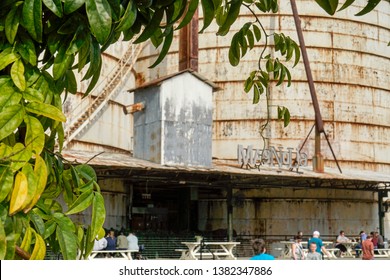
[[100, 244], [132, 241], [340, 240]]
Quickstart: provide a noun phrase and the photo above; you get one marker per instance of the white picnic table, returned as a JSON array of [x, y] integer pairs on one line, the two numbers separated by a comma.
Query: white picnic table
[[124, 254], [287, 251], [215, 250]]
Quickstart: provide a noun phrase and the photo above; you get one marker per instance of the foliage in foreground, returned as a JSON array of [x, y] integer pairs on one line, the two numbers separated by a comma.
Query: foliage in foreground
[[42, 44]]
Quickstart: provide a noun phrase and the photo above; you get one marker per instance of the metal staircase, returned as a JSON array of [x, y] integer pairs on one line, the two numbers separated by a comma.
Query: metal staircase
[[113, 86]]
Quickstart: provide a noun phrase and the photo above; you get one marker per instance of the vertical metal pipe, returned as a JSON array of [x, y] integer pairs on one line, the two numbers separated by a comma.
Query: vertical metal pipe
[[318, 162], [188, 45], [229, 201], [381, 212]]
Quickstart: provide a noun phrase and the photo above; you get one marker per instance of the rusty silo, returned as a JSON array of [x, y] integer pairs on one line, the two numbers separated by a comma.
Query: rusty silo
[[349, 58]]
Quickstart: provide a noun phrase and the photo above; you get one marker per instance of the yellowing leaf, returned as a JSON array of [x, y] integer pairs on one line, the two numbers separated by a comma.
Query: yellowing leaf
[[46, 110], [39, 251], [32, 184], [26, 243], [17, 74], [6, 182], [19, 193], [40, 171], [20, 155], [7, 57], [3, 242]]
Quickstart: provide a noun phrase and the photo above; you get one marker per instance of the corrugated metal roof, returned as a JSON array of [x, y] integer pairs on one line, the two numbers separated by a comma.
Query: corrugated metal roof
[[158, 81], [224, 172]]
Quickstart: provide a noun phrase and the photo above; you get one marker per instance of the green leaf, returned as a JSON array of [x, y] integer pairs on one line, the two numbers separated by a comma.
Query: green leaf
[[17, 74], [32, 94], [55, 6], [62, 63], [208, 13], [128, 17], [288, 77], [251, 39], [248, 84], [286, 117], [50, 227], [153, 25], [32, 18], [3, 242], [95, 59], [297, 53], [330, 6], [269, 65], [165, 48], [9, 96], [7, 56], [346, 4], [192, 6], [26, 49], [257, 32], [12, 23], [98, 215], [10, 119], [68, 243], [282, 74], [35, 136], [232, 15], [369, 7], [79, 39], [72, 5], [86, 172], [256, 94], [81, 203], [234, 51], [99, 17], [6, 182], [95, 78], [37, 220], [46, 110]]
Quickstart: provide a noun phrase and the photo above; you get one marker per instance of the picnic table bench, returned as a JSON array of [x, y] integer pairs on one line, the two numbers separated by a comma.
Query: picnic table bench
[[124, 254], [215, 250]]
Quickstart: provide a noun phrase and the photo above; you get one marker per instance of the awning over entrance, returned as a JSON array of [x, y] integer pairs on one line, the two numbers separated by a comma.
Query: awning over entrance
[[227, 173]]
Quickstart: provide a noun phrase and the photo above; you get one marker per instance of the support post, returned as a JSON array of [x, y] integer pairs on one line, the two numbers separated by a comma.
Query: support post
[[381, 211], [229, 200], [318, 162], [188, 45]]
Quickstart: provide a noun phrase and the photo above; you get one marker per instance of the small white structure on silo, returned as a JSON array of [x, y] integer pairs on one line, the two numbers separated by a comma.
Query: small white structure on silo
[[175, 127]]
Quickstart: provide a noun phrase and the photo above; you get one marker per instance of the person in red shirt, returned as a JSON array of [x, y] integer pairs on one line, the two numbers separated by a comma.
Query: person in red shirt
[[368, 248]]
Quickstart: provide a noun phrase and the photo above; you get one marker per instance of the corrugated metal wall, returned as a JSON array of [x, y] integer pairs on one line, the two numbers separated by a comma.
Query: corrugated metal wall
[[349, 59]]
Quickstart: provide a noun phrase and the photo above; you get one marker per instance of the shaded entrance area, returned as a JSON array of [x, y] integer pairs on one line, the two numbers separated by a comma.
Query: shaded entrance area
[[230, 203]]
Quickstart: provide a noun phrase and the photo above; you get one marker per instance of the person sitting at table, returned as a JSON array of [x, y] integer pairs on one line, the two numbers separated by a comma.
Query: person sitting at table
[[320, 248], [297, 249], [259, 250], [358, 247], [111, 242], [340, 240], [121, 241], [100, 244], [313, 254]]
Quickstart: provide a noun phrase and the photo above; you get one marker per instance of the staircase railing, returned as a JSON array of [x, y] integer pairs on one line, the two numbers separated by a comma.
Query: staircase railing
[[113, 86]]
